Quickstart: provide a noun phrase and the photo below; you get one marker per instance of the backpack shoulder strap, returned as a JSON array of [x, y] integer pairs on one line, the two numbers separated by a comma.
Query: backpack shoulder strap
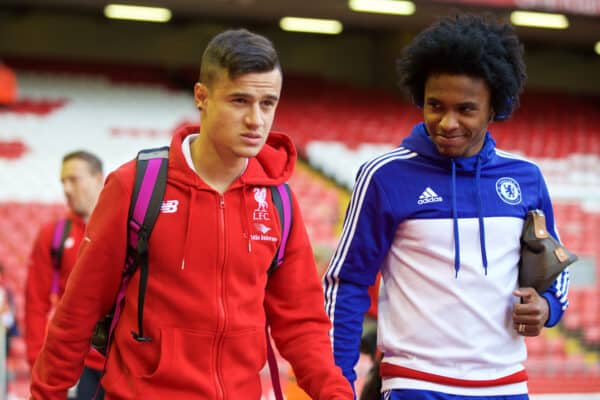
[[282, 198], [148, 191], [61, 233]]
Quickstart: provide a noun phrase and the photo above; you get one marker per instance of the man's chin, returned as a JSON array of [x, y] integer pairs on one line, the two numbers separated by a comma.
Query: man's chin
[[447, 151], [76, 211], [248, 152]]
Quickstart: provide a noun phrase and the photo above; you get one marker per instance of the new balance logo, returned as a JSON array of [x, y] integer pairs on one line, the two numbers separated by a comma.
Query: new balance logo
[[169, 206], [429, 196]]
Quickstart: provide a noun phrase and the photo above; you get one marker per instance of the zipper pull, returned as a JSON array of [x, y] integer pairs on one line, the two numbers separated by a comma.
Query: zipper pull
[[248, 242]]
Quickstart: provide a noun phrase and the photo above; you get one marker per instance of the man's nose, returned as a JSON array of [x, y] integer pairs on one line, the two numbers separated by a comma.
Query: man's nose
[[254, 116], [449, 121], [67, 187]]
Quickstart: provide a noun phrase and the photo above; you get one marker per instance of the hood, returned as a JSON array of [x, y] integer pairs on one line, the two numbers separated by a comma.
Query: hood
[[420, 142], [273, 165]]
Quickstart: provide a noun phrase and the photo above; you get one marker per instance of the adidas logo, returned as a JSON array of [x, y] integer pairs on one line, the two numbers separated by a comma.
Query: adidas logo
[[429, 196]]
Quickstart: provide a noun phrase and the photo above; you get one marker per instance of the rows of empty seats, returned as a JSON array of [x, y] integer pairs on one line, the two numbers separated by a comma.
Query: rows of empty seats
[[332, 125], [579, 231], [545, 125]]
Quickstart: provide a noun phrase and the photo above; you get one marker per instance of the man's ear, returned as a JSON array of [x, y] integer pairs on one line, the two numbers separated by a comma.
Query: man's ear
[[200, 94]]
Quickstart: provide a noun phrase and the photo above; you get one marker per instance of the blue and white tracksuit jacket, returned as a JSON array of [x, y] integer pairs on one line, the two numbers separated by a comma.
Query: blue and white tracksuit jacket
[[445, 235]]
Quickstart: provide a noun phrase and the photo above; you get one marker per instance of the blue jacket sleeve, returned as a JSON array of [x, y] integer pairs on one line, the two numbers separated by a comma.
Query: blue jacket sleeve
[[366, 236], [556, 294]]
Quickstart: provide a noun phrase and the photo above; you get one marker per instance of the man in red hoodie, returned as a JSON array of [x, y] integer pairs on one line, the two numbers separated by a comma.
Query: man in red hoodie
[[81, 177], [208, 295]]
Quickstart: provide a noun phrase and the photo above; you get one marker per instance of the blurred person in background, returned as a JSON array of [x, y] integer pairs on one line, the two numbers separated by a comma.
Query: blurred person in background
[[8, 314], [208, 293], [441, 218], [81, 177]]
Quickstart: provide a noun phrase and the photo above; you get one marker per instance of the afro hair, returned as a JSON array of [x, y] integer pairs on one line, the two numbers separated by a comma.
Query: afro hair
[[472, 45]]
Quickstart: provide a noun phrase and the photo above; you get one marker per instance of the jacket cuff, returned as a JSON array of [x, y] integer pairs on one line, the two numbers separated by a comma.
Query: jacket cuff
[[555, 310]]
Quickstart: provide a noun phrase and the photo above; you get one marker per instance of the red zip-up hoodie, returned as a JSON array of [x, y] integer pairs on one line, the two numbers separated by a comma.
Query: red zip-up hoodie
[[38, 288], [208, 296]]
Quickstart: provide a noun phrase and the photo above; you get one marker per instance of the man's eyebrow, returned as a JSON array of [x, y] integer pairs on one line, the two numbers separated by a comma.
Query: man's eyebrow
[[238, 94], [469, 103], [272, 97]]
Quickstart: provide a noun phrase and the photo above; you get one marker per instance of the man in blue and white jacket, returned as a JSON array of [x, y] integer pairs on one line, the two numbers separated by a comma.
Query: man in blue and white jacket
[[441, 218]]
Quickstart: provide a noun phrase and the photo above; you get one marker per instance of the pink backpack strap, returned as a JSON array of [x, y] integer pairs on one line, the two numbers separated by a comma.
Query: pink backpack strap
[[61, 233], [282, 199]]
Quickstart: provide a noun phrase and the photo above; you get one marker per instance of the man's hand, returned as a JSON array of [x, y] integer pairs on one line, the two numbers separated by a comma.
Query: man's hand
[[530, 315]]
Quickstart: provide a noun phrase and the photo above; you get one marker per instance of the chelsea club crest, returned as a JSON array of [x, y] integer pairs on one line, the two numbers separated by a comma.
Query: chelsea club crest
[[508, 190]]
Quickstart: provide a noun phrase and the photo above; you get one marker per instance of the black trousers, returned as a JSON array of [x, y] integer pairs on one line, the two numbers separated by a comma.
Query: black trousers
[[89, 383]]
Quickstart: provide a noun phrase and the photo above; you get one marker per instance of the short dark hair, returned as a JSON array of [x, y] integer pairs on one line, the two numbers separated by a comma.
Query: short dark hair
[[238, 51], [473, 45], [92, 160]]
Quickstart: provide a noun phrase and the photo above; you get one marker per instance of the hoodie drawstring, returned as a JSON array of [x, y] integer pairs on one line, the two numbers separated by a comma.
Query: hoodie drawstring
[[244, 217], [455, 223], [480, 216]]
